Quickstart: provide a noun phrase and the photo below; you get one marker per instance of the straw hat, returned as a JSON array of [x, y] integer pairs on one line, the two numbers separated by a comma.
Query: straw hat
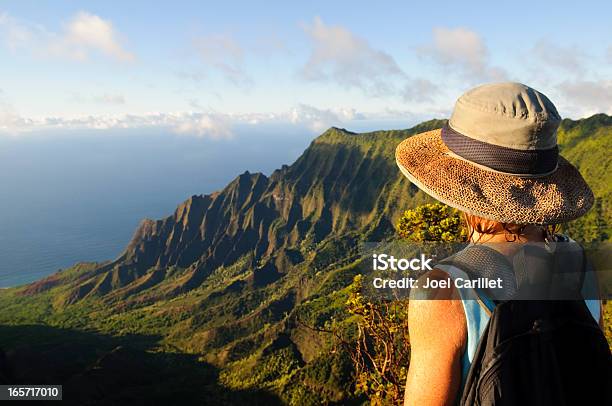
[[498, 158]]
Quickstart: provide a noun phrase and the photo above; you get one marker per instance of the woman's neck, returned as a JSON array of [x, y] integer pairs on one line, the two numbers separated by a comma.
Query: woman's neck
[[499, 241]]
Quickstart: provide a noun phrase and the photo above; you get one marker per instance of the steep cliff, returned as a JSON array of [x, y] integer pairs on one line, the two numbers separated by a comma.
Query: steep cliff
[[344, 182]]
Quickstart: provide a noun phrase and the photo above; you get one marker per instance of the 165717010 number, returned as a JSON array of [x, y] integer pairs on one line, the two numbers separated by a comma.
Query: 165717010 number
[[30, 392]]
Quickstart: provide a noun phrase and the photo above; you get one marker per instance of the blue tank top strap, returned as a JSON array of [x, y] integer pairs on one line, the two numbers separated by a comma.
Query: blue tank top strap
[[590, 290], [477, 309]]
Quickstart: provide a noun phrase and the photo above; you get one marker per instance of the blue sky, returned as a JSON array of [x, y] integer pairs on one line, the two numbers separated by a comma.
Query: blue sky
[[206, 68]]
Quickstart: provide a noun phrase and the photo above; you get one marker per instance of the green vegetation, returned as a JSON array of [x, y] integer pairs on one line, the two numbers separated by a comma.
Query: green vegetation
[[587, 144], [223, 300], [381, 349], [431, 222]]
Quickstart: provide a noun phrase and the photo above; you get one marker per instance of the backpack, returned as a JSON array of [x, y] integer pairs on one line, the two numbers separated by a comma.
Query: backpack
[[540, 352], [548, 352]]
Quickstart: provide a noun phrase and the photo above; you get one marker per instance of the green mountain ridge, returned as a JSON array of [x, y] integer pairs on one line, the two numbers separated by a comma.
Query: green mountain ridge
[[273, 220], [232, 277]]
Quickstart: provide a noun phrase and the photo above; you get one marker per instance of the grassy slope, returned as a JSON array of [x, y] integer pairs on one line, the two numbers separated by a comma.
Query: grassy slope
[[587, 144]]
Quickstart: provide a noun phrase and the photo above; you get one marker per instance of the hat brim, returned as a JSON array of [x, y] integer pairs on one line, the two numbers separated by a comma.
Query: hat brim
[[551, 199]]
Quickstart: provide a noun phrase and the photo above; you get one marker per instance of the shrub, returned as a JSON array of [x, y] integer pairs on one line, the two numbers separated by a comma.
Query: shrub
[[431, 222]]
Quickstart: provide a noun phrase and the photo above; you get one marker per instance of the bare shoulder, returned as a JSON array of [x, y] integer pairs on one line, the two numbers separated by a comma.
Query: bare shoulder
[[438, 315]]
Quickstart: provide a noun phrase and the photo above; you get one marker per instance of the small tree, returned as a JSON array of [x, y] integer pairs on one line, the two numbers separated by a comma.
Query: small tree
[[381, 350]]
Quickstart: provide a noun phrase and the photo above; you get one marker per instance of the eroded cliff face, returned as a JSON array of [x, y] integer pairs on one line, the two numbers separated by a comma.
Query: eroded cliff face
[[344, 182]]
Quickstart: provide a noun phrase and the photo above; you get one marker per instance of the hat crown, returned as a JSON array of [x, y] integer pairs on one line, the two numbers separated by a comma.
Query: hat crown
[[510, 115]]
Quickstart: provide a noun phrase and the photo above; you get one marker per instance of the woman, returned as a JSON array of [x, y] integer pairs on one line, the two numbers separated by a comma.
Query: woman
[[497, 161]]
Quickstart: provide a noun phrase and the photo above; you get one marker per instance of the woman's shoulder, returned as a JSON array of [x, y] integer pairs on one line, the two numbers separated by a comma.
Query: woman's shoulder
[[437, 312]]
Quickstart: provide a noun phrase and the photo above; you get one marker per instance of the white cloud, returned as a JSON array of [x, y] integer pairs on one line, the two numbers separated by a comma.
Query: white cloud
[[568, 58], [420, 90], [587, 97], [82, 36], [319, 119], [214, 126], [10, 121], [86, 32], [461, 46], [14, 33], [339, 56], [222, 53], [211, 125], [226, 55], [463, 50]]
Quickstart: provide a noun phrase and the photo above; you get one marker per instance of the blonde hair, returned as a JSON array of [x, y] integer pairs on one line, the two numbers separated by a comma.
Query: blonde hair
[[512, 232]]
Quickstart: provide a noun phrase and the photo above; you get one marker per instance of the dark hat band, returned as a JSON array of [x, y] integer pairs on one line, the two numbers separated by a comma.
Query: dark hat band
[[502, 159]]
